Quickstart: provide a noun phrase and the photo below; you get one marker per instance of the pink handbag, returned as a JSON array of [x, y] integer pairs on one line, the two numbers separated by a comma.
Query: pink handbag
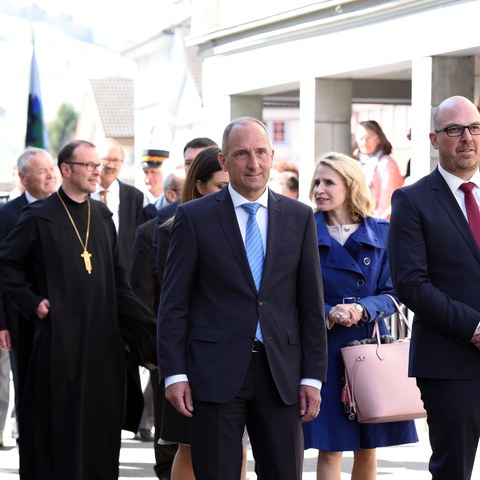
[[377, 386]]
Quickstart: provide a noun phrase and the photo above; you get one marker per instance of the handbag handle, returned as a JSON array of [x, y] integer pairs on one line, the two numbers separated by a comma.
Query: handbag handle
[[401, 317]]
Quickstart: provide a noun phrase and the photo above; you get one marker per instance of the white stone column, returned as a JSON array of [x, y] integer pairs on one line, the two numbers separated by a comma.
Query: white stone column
[[433, 80], [325, 113], [421, 151]]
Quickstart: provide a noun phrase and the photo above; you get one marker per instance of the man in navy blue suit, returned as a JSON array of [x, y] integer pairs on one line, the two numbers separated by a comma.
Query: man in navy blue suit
[[231, 353], [435, 264], [37, 173]]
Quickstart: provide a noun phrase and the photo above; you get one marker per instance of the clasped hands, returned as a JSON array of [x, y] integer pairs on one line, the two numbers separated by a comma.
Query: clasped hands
[[344, 314]]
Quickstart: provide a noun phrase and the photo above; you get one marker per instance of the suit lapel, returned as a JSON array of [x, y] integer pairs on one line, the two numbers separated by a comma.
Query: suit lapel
[[445, 197], [228, 222], [274, 232], [22, 203], [123, 206]]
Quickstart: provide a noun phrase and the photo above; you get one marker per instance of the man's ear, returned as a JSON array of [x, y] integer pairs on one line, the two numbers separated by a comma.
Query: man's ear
[[171, 196], [65, 169], [221, 161], [21, 176], [434, 140]]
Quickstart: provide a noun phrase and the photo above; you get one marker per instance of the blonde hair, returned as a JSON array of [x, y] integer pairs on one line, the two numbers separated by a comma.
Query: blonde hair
[[359, 199]]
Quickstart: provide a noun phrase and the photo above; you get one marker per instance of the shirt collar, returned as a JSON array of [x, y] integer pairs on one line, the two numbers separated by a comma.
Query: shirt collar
[[30, 198], [113, 188], [238, 199], [454, 182]]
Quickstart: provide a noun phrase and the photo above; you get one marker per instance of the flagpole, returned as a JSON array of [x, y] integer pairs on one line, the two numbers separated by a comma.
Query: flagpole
[[36, 135]]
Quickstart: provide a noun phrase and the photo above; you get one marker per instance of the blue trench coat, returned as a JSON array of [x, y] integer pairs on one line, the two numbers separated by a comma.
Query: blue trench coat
[[357, 269]]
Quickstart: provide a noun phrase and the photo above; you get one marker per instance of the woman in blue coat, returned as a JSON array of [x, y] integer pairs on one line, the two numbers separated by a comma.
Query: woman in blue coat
[[356, 279]]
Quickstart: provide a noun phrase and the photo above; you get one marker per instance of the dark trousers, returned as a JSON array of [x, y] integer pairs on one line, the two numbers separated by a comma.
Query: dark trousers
[[164, 454], [453, 409], [274, 429]]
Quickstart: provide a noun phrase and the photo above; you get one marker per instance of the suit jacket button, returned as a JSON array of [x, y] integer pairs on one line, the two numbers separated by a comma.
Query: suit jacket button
[[360, 283], [251, 339]]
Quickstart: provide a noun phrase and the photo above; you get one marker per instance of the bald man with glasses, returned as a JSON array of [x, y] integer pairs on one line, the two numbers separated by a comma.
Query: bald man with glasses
[[434, 251]]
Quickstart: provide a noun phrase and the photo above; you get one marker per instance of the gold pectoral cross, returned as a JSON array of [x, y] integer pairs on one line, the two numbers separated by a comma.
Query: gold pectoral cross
[[88, 263]]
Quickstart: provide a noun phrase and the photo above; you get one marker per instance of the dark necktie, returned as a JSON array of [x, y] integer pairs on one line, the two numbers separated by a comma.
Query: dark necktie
[[473, 214], [254, 248]]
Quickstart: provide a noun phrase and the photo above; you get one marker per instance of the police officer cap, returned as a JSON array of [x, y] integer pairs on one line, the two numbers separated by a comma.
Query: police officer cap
[[153, 158]]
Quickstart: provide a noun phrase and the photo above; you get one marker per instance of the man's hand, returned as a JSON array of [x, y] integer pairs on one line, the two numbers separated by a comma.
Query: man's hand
[[43, 309], [5, 341], [309, 402], [180, 396], [476, 340]]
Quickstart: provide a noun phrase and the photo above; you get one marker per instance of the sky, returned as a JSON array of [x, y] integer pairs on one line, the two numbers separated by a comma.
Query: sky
[[110, 20], [65, 64]]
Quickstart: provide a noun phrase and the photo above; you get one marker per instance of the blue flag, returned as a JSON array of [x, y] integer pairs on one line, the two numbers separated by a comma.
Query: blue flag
[[37, 135]]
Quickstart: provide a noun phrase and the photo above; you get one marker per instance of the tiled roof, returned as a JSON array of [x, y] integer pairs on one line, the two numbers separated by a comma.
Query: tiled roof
[[114, 99]]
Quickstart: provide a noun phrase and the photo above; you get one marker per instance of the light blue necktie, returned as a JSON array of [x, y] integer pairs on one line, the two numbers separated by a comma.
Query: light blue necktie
[[254, 248]]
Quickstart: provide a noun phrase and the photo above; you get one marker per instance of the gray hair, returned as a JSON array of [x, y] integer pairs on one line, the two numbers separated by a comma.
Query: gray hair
[[24, 159], [171, 181]]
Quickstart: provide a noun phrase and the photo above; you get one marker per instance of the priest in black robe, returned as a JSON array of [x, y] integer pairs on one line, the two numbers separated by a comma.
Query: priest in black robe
[[60, 265]]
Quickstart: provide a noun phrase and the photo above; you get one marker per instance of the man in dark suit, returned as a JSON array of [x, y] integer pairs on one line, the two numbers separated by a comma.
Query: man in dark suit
[[231, 353], [435, 264], [124, 201], [37, 173], [126, 204]]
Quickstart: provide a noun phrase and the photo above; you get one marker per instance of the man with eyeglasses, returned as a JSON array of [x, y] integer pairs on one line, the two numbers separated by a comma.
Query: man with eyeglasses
[[434, 253], [125, 201], [60, 266]]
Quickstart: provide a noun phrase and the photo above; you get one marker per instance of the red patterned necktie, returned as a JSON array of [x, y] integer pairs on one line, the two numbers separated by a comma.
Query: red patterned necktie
[[473, 214]]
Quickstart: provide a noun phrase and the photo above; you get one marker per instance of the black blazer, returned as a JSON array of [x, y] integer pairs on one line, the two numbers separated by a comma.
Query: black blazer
[[435, 266], [131, 215], [209, 305], [144, 282], [9, 215]]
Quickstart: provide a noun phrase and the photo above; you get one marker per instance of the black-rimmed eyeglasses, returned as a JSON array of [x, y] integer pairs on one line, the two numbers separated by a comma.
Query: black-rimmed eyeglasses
[[457, 130], [90, 166]]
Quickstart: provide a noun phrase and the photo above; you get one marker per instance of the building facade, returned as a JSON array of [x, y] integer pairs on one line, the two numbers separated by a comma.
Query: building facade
[[320, 58]]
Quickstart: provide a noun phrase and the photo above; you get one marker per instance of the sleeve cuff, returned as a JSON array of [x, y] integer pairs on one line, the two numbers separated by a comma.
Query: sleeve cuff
[[175, 379], [312, 382]]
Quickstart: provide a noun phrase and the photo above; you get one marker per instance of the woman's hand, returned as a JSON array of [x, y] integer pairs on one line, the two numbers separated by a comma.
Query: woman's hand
[[344, 314]]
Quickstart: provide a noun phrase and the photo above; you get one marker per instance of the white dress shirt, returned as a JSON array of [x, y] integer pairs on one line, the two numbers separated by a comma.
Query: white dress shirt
[[113, 200], [454, 183]]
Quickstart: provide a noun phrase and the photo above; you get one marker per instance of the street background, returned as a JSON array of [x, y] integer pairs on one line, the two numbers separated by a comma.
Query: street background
[[406, 462]]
